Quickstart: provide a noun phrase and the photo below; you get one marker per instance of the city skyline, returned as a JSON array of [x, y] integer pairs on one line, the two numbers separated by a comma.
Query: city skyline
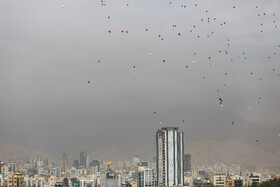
[[83, 76], [170, 167]]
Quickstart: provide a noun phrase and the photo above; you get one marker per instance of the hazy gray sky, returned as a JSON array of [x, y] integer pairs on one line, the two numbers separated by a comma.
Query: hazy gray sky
[[49, 53]]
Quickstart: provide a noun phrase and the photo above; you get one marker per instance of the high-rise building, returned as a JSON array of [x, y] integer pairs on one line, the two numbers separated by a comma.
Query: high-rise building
[[15, 180], [46, 163], [187, 162], [84, 159], [39, 163], [4, 171], [33, 162], [170, 157], [1, 165], [73, 173], [58, 172], [95, 163], [76, 164], [125, 165], [154, 158], [1, 180], [145, 176], [135, 160], [64, 164], [1, 176], [12, 166]]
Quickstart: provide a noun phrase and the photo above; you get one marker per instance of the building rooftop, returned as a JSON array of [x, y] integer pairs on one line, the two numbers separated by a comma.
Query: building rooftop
[[170, 128], [219, 172]]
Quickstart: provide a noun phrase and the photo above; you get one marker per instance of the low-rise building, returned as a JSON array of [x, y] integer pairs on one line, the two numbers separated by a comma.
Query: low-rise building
[[238, 182], [253, 178], [218, 178], [198, 182], [229, 182]]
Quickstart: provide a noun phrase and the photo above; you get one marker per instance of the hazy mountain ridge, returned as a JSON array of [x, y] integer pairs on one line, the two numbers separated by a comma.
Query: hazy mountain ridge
[[20, 153], [232, 151]]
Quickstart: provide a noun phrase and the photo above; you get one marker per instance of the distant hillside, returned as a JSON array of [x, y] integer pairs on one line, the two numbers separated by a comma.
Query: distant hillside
[[257, 154], [10, 150], [232, 151]]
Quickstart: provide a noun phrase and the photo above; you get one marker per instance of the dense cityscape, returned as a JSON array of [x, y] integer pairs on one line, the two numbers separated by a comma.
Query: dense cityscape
[[169, 167], [139, 93]]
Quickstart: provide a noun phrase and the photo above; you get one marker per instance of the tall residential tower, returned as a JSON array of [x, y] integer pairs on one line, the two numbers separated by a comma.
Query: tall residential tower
[[84, 159], [187, 161], [170, 157], [64, 164]]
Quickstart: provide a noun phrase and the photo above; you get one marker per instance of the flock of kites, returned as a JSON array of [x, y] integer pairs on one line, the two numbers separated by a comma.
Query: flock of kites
[[242, 55]]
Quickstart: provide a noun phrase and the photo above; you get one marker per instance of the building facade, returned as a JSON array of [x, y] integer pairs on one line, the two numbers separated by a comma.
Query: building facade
[[64, 164], [187, 162], [58, 172], [76, 164], [229, 182], [95, 163], [84, 159], [238, 182], [15, 180], [218, 178], [145, 177], [253, 179], [170, 157]]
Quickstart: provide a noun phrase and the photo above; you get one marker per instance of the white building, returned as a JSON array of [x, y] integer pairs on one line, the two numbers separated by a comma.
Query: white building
[[170, 157], [73, 172], [1, 180], [253, 178], [135, 161], [83, 183]]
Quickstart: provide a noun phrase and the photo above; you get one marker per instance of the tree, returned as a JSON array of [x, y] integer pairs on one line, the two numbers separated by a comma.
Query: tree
[[207, 185], [270, 183]]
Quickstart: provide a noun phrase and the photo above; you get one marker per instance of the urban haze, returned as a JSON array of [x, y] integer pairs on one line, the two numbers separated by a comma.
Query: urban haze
[[105, 76]]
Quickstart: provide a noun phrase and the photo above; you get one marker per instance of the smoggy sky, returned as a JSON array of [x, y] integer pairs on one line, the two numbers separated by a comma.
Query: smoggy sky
[[50, 49]]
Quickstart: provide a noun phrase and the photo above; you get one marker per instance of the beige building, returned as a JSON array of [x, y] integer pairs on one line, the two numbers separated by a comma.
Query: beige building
[[15, 180], [229, 182], [64, 165], [218, 178]]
